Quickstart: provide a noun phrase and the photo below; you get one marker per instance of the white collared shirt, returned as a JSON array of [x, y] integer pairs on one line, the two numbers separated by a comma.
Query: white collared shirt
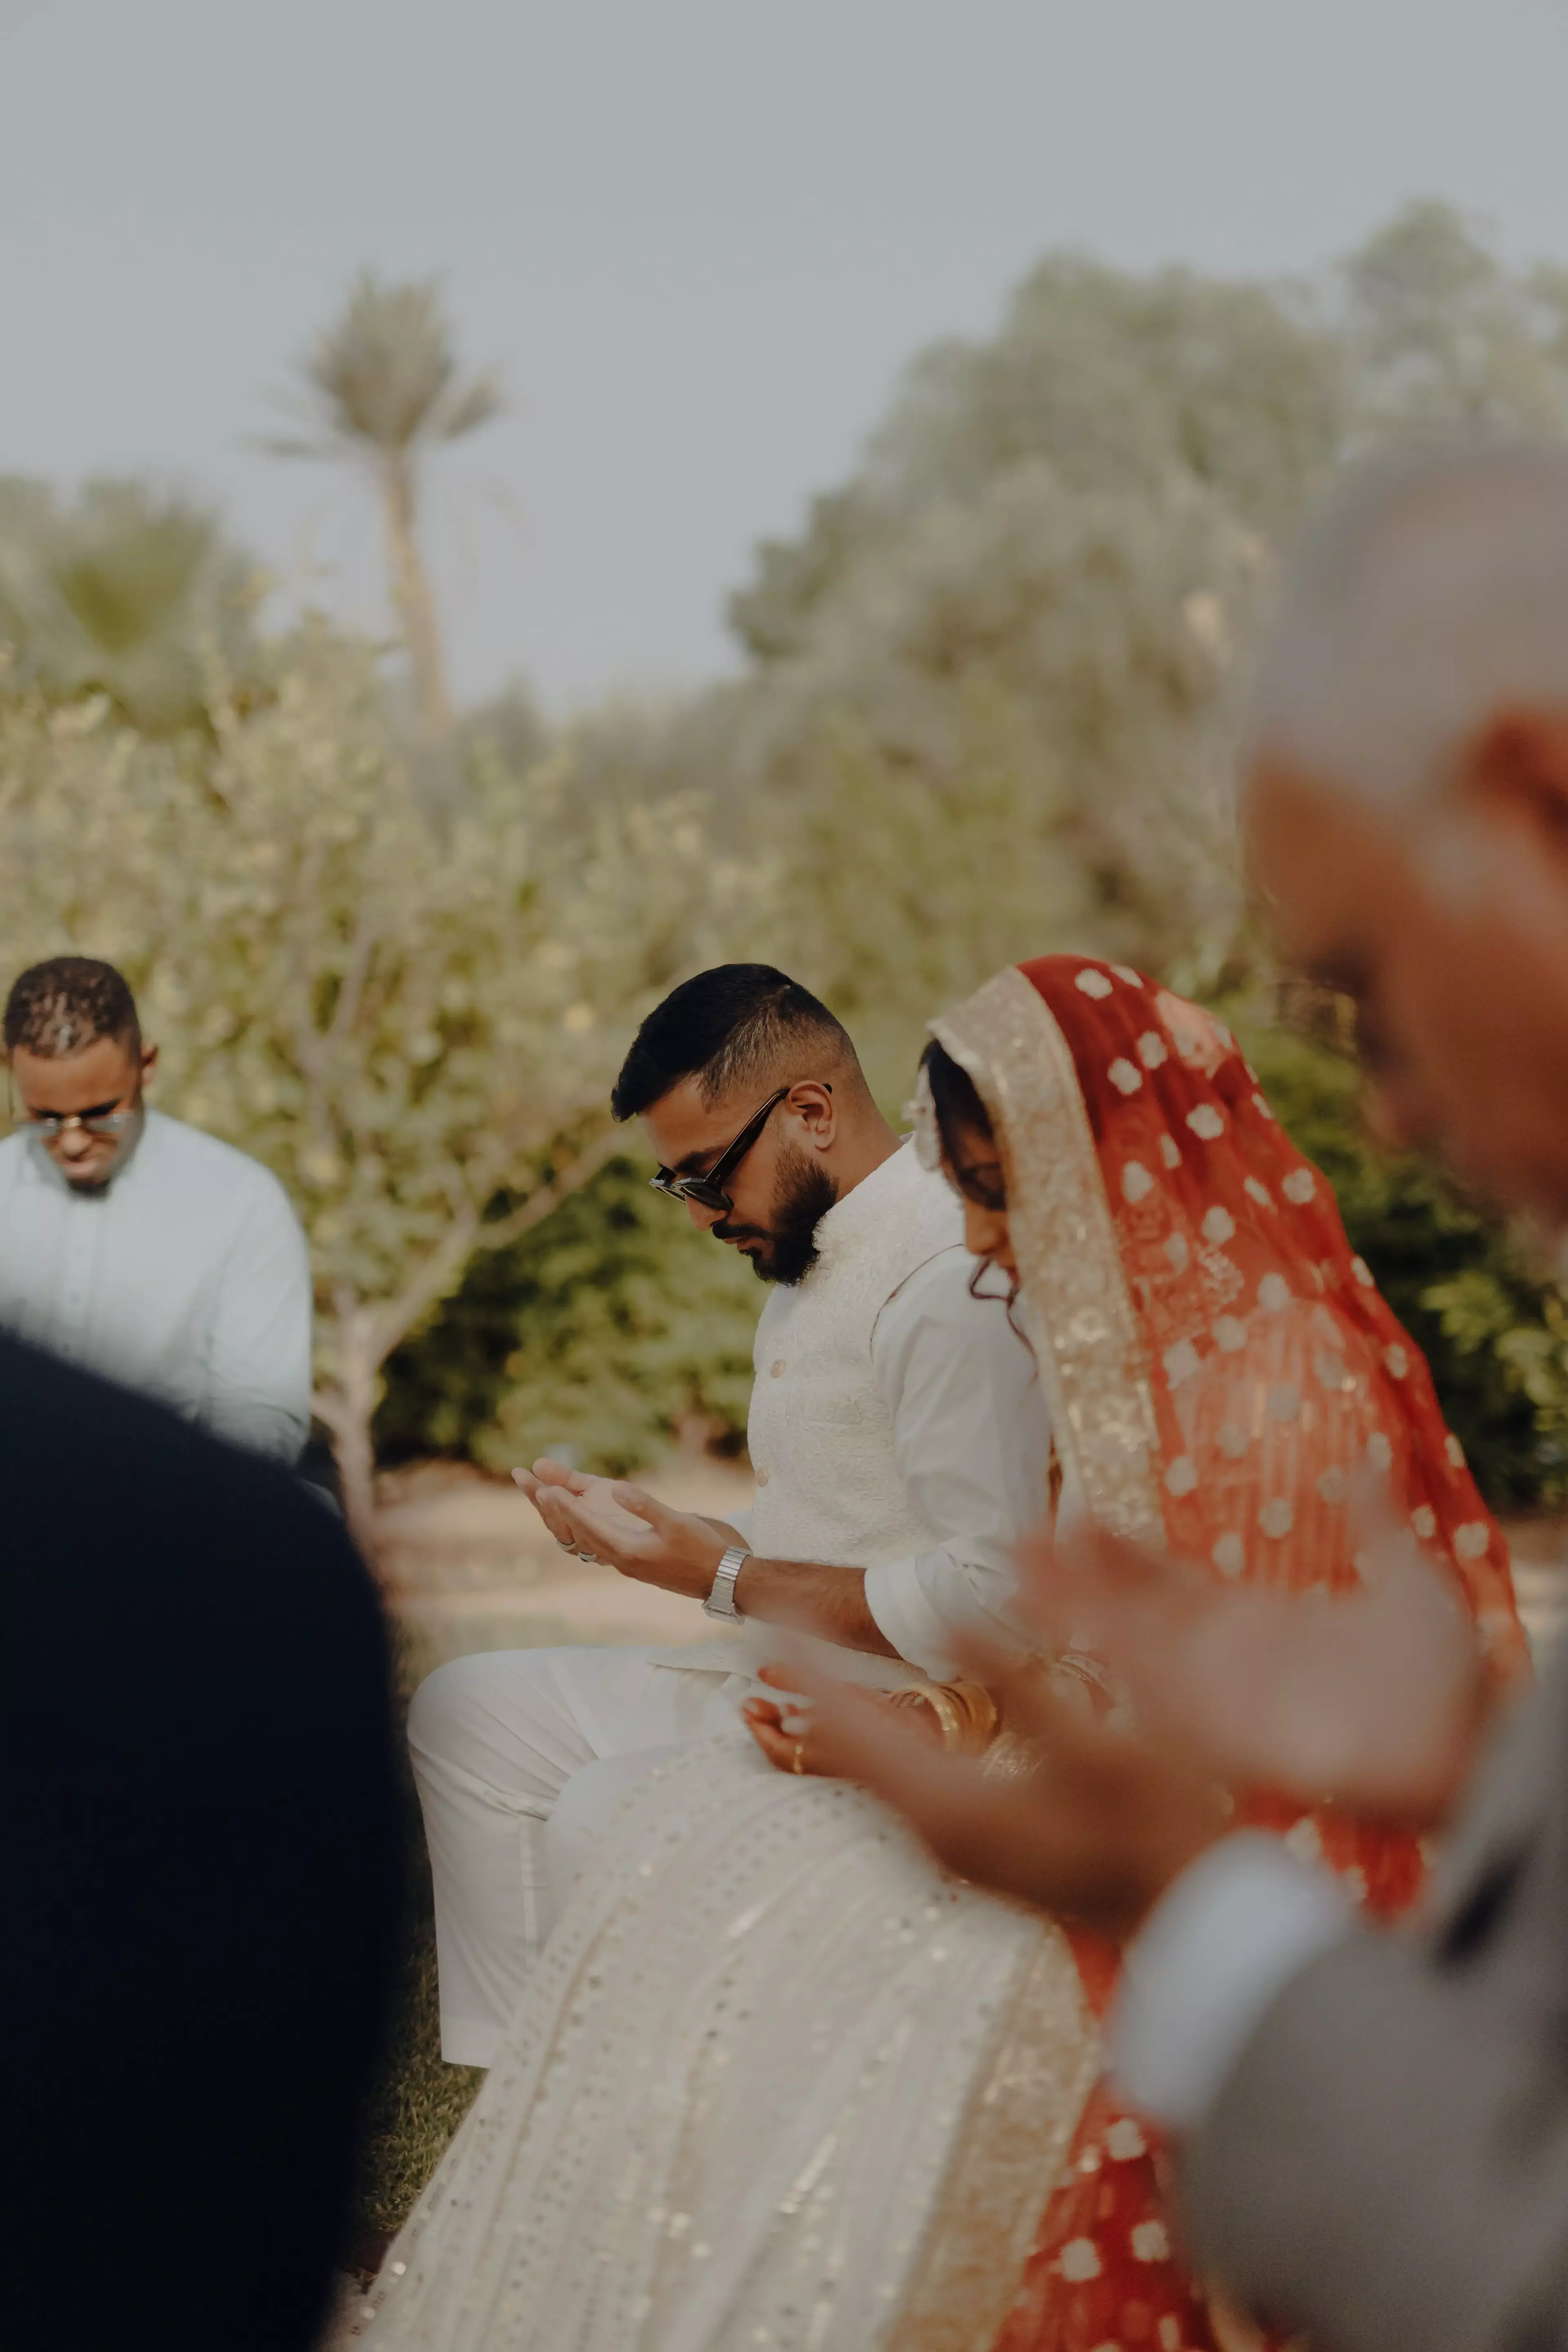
[[188, 1279], [973, 1443]]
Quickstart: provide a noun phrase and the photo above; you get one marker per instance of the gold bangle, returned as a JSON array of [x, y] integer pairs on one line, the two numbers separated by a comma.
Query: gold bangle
[[1087, 1671], [983, 1713], [942, 1705], [966, 1713]]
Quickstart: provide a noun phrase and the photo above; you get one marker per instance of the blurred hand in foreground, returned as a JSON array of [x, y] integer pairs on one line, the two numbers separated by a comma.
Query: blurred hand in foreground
[[1373, 1699]]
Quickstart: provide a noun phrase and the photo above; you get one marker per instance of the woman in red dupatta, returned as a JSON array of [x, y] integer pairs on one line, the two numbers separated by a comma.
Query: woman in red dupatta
[[1219, 1367], [777, 2081]]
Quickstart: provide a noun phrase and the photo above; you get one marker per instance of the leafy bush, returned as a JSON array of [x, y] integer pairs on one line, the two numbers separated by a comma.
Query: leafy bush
[[608, 1330], [1494, 1331]]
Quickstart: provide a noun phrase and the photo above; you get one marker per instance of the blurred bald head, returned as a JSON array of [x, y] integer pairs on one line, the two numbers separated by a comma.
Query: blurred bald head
[[1429, 592], [1406, 794]]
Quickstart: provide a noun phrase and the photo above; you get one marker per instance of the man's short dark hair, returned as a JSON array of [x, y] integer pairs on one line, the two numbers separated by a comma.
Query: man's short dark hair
[[66, 1005], [741, 1024]]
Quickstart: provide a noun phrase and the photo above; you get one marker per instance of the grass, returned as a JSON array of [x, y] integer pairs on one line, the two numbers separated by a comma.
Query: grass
[[417, 2100]]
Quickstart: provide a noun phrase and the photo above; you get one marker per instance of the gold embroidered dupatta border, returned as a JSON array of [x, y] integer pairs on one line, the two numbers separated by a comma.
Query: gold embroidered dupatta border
[[1081, 1317], [1024, 2109]]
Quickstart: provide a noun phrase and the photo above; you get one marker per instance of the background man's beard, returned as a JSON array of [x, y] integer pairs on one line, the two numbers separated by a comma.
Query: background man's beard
[[804, 1193]]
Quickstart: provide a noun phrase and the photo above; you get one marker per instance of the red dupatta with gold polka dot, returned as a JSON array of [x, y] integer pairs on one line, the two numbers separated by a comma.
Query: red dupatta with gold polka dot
[[1220, 1366]]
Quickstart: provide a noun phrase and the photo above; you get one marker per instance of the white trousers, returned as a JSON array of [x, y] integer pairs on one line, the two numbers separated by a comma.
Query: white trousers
[[520, 1756]]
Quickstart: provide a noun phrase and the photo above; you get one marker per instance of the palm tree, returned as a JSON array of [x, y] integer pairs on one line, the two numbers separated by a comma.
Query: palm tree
[[383, 386], [127, 590]]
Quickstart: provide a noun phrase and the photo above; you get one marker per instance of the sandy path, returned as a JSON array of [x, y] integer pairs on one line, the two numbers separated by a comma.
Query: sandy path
[[468, 1565]]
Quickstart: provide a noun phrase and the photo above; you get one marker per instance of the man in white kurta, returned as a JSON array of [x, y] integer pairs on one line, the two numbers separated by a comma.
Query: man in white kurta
[[897, 1433], [137, 1246]]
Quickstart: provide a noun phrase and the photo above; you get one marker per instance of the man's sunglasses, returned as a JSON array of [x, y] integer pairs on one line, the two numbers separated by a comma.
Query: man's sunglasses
[[51, 1124], [707, 1191]]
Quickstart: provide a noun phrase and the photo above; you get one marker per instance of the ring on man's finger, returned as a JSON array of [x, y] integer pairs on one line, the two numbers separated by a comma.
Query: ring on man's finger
[[591, 1557]]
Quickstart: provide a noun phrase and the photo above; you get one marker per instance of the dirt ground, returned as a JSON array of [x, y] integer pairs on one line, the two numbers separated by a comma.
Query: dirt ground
[[467, 1565]]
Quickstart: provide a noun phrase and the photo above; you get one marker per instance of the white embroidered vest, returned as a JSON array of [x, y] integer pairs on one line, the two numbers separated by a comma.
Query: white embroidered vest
[[821, 1438]]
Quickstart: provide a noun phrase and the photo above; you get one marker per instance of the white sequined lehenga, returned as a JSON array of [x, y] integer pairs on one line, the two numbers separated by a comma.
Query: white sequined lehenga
[[774, 2082]]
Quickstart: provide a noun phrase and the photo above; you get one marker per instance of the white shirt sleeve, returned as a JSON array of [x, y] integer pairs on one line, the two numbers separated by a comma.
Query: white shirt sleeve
[[973, 1444], [1217, 1950], [259, 1346]]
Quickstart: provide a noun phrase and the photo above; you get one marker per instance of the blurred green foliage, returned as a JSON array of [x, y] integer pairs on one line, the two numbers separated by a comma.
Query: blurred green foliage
[[124, 591], [1494, 1329], [609, 1329]]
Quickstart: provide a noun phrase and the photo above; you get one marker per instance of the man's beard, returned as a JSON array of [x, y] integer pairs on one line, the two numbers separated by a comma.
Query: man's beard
[[804, 1195]]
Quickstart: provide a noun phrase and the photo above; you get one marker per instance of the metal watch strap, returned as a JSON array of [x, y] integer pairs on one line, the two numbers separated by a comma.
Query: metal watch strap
[[720, 1602]]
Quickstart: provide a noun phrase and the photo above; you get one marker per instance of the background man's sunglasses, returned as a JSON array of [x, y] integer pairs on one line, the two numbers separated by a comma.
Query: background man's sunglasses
[[93, 1123], [707, 1191], [50, 1123]]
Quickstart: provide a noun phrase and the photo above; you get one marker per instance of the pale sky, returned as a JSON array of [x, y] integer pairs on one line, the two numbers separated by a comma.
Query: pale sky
[[699, 237]]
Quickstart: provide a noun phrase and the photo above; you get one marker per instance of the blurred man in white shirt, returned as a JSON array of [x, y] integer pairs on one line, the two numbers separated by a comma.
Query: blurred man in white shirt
[[135, 1245]]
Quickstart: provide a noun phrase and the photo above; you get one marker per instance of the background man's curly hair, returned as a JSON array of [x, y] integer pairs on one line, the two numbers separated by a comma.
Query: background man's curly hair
[[61, 1006]]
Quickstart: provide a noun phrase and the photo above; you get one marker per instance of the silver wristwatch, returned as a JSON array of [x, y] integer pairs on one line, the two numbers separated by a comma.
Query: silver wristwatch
[[720, 1602]]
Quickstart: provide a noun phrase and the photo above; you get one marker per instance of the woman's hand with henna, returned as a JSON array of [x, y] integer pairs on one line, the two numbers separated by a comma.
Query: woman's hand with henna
[[785, 1731], [1094, 1827]]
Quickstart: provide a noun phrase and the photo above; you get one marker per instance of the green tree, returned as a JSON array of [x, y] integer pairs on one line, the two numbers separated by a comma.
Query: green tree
[[604, 1331], [1439, 332], [418, 1035], [1493, 1325], [992, 678], [384, 389], [1055, 540], [124, 590]]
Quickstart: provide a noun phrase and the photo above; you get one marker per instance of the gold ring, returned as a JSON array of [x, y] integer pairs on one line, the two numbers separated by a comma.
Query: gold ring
[[799, 1764]]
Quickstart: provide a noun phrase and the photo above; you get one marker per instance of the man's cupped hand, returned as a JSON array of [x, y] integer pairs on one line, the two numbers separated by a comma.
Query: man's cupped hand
[[625, 1526]]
